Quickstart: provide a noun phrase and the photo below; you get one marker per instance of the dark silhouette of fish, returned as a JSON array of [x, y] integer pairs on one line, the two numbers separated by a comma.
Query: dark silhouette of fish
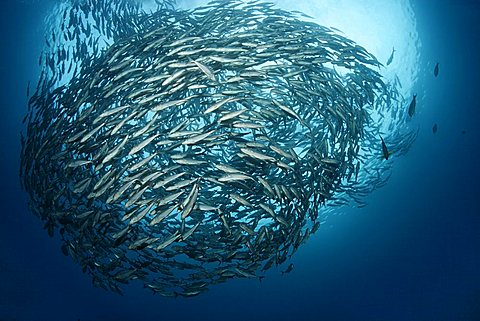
[[289, 269], [435, 128], [435, 71], [390, 59], [385, 152], [28, 89], [413, 104]]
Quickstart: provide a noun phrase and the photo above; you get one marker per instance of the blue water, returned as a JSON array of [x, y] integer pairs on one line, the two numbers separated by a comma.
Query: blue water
[[412, 254]]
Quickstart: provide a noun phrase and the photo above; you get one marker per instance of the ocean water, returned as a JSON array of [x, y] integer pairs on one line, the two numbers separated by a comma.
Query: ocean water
[[413, 253]]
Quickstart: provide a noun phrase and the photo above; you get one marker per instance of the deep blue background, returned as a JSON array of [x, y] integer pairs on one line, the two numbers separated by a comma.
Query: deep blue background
[[412, 254]]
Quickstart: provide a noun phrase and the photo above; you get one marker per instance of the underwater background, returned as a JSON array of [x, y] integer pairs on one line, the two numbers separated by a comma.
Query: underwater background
[[413, 253]]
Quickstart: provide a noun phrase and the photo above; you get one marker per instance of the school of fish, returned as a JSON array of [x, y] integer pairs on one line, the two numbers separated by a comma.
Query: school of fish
[[186, 148]]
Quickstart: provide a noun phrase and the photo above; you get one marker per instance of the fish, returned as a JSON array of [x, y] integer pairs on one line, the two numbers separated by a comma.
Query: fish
[[234, 177], [115, 151], [160, 217], [142, 145], [168, 180], [141, 214], [219, 104], [174, 237], [28, 89], [180, 184], [435, 128], [168, 104], [169, 198], [386, 153], [207, 71], [289, 269], [187, 148], [189, 203], [436, 69], [80, 162], [268, 209], [227, 169], [110, 112], [411, 107], [240, 199], [390, 59], [257, 155], [231, 115], [288, 111], [198, 138], [188, 233]]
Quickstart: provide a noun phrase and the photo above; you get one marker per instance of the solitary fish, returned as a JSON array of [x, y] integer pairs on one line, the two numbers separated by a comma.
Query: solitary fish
[[386, 154], [28, 89], [411, 108], [289, 269], [435, 71], [390, 59], [435, 128]]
